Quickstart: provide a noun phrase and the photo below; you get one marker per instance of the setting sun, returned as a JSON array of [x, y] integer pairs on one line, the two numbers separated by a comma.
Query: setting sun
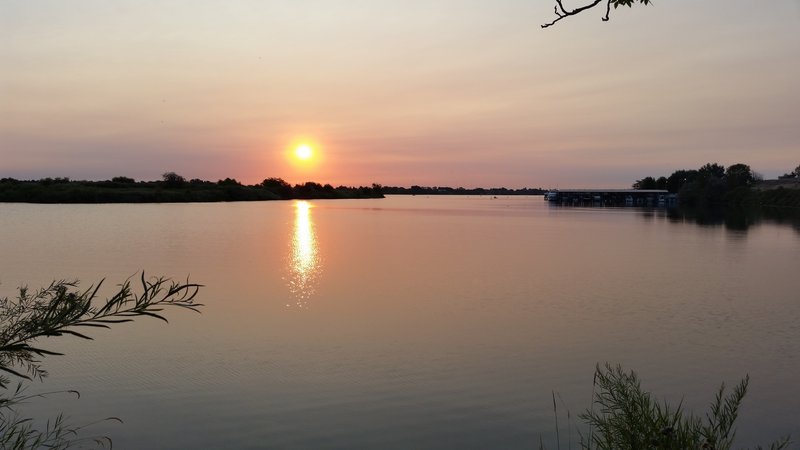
[[304, 155], [304, 152]]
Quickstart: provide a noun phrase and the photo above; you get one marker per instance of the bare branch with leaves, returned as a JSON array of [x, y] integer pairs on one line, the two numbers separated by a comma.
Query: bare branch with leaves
[[562, 12]]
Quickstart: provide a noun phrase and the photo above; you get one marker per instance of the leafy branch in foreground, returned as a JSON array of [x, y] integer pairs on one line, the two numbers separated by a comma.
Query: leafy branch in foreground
[[60, 309], [623, 416], [562, 12]]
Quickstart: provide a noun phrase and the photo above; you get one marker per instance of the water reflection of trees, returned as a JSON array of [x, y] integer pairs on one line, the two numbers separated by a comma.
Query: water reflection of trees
[[734, 219]]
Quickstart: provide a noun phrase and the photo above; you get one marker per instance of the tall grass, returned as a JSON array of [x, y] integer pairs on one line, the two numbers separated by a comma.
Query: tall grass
[[622, 416]]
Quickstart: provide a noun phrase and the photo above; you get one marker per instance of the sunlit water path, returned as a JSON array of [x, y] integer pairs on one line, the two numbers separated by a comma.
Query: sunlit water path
[[305, 263], [409, 322]]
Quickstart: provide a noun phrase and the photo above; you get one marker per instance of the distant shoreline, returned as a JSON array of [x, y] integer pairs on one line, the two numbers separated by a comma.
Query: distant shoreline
[[171, 190], [175, 189], [445, 190]]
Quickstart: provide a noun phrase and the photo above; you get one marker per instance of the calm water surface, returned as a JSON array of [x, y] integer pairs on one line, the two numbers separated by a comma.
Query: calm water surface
[[409, 322]]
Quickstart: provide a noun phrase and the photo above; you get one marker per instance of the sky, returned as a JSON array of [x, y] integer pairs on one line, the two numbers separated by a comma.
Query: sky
[[468, 93]]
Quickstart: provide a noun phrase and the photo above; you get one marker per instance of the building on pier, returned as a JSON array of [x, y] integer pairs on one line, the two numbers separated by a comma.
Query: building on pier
[[612, 197]]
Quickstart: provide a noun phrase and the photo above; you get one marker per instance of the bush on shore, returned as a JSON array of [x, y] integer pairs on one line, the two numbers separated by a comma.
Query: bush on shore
[[625, 417]]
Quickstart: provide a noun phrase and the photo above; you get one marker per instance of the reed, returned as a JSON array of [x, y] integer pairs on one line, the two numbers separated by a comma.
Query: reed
[[59, 309], [622, 416]]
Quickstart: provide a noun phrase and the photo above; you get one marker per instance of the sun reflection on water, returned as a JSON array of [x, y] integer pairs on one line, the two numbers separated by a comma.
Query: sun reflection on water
[[305, 263]]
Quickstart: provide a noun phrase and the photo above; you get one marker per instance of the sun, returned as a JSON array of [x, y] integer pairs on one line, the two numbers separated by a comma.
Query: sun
[[304, 152]]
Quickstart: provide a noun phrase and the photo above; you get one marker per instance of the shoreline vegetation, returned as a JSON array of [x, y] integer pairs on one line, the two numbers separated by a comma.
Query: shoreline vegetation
[[446, 190], [62, 308], [624, 416], [714, 186], [172, 188]]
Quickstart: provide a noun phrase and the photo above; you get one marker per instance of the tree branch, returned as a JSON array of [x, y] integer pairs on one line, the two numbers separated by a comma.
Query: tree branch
[[563, 13], [59, 309]]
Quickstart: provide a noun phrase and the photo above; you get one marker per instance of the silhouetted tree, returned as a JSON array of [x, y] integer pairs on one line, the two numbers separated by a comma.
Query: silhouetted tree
[[738, 175], [710, 170], [714, 192], [793, 174], [57, 180], [173, 180], [125, 180], [562, 12], [308, 190], [645, 183], [229, 182], [278, 187], [707, 186], [678, 178]]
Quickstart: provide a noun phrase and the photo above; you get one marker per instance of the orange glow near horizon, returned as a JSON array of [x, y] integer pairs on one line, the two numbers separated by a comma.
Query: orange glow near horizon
[[303, 154], [304, 158]]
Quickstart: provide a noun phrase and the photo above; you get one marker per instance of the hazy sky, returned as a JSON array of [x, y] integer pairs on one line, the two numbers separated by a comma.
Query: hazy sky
[[454, 92]]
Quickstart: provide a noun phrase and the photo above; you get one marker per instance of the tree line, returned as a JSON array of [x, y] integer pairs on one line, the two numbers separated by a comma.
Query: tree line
[[172, 187], [793, 175], [714, 184], [446, 190]]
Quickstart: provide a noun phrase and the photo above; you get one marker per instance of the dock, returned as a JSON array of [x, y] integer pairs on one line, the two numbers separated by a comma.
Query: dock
[[612, 197]]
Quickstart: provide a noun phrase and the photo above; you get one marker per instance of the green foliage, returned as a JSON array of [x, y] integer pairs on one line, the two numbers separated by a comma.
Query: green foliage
[[20, 434], [57, 310], [625, 417]]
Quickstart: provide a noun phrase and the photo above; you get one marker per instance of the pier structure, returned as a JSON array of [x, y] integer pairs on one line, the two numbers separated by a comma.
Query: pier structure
[[612, 197]]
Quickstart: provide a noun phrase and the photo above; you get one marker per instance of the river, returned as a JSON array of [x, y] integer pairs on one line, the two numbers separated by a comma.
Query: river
[[409, 322]]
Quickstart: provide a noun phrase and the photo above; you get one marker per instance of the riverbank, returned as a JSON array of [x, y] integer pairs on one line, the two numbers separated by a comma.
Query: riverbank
[[778, 193], [62, 190]]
